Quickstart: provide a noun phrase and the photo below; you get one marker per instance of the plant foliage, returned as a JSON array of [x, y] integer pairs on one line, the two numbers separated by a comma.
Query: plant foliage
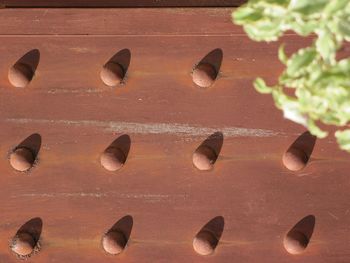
[[320, 81]]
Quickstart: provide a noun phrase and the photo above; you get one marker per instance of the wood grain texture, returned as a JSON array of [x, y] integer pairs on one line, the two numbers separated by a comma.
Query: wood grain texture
[[166, 117], [121, 3], [87, 23]]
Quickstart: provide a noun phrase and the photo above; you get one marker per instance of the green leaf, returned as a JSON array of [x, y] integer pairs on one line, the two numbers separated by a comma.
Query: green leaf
[[300, 60], [263, 31], [282, 55], [307, 7], [261, 86], [275, 11], [316, 130], [304, 28], [278, 2], [344, 28], [335, 6], [246, 15], [343, 65], [320, 84], [343, 139], [279, 97], [291, 111], [326, 45]]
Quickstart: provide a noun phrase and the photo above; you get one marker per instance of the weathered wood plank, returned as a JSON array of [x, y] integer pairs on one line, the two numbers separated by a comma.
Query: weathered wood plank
[[133, 21], [166, 117], [121, 3]]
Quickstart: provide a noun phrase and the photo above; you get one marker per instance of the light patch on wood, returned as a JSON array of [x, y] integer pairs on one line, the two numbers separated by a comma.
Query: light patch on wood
[[82, 50], [146, 198], [154, 128]]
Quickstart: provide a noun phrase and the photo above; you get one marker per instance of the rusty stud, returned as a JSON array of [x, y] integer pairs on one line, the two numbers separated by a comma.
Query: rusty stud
[[204, 243], [204, 158], [114, 242], [22, 159], [295, 242], [20, 75], [112, 159], [23, 244], [112, 74], [204, 75], [295, 159]]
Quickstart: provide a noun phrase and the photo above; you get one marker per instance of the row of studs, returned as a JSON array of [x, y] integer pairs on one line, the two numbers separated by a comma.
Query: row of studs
[[24, 156], [114, 71], [26, 241]]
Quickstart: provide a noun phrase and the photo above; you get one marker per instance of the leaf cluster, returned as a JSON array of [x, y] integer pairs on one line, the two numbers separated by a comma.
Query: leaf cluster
[[319, 81]]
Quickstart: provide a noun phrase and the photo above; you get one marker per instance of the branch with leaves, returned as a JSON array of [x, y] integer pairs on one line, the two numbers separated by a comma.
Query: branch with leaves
[[321, 82]]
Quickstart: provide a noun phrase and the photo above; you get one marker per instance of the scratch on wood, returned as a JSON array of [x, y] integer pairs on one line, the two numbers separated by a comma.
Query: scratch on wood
[[81, 50], [154, 128], [334, 216], [147, 198]]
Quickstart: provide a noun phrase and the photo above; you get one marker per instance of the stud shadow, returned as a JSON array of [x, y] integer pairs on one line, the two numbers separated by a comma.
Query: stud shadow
[[305, 142], [123, 143], [215, 226], [305, 226], [33, 143], [33, 227], [208, 238], [31, 58], [214, 142], [123, 58], [123, 225], [213, 58]]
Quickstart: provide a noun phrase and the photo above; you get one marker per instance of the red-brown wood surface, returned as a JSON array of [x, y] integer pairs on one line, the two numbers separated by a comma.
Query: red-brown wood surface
[[166, 117], [121, 3]]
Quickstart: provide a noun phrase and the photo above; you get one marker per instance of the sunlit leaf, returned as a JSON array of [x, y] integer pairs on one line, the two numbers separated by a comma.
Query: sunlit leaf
[[326, 45], [335, 6], [343, 139], [344, 28], [301, 59], [246, 14], [308, 6], [320, 82], [292, 112], [261, 86], [282, 55], [316, 130]]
